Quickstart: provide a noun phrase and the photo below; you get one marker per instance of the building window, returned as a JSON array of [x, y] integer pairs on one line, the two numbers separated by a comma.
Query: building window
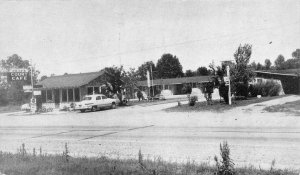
[[43, 96], [77, 94], [90, 90], [64, 95], [49, 95], [96, 90], [70, 95]]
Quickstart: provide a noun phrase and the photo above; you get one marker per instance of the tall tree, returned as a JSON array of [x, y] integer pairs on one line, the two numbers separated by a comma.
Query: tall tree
[[202, 71], [259, 66], [267, 64], [296, 54], [142, 70], [253, 65], [114, 80], [189, 73], [168, 66], [130, 81], [242, 74], [279, 62]]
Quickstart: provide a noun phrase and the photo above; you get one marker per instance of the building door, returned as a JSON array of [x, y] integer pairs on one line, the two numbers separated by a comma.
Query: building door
[[56, 98]]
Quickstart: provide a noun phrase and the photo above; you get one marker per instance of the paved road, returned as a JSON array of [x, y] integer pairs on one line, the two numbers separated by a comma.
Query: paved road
[[254, 139]]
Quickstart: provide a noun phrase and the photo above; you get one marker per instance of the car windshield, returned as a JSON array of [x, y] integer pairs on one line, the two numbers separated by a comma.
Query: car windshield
[[87, 98]]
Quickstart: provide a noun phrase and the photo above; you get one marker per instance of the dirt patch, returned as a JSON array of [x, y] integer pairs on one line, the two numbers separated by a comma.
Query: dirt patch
[[292, 108]]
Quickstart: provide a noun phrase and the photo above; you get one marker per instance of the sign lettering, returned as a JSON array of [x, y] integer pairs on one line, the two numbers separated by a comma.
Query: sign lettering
[[18, 75]]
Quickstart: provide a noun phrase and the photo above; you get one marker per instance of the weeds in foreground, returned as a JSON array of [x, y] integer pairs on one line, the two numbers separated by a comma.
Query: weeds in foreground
[[25, 163], [226, 165]]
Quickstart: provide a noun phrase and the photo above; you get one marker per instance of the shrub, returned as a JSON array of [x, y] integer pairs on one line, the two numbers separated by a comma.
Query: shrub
[[274, 91], [223, 92], [269, 88], [192, 100], [241, 89], [139, 95]]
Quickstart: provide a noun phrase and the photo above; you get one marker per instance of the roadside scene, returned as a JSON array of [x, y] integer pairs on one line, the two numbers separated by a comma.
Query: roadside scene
[[177, 87], [250, 131]]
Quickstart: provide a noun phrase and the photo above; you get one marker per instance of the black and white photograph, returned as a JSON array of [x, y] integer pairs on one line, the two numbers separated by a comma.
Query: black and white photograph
[[149, 87]]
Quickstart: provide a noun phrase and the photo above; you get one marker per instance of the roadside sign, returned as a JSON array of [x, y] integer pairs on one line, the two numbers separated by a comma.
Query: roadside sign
[[33, 105], [17, 75], [37, 92], [33, 101], [33, 108], [226, 80], [27, 88]]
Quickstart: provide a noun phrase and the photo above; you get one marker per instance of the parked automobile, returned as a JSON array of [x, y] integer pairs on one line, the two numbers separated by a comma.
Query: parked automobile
[[196, 92], [165, 94], [95, 102]]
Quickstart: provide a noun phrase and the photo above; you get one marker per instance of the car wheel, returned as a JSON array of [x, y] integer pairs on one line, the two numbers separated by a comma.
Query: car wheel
[[82, 110], [94, 108], [113, 105]]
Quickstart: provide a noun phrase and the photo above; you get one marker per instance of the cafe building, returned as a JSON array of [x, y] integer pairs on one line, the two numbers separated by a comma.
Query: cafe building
[[62, 90]]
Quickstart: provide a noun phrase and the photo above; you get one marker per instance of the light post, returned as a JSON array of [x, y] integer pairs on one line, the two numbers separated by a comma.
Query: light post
[[229, 89], [152, 81]]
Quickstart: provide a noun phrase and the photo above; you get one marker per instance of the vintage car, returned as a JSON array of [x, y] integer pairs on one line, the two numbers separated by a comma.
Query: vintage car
[[95, 102]]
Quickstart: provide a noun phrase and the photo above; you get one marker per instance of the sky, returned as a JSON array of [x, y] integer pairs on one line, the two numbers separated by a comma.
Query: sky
[[73, 36]]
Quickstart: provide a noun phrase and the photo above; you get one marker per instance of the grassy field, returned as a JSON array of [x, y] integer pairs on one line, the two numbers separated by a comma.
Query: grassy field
[[31, 164], [218, 106], [9, 108], [289, 107]]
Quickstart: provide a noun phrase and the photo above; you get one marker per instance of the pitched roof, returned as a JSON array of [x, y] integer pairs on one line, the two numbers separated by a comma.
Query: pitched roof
[[287, 72], [170, 81], [69, 80]]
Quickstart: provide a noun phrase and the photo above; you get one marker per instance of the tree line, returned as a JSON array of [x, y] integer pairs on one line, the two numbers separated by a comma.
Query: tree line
[[280, 63]]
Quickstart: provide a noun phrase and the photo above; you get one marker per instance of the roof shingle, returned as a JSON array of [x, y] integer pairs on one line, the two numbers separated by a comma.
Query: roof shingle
[[69, 80]]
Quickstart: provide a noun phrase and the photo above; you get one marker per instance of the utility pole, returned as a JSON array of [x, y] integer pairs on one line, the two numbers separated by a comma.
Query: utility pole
[[31, 67], [152, 81], [229, 89]]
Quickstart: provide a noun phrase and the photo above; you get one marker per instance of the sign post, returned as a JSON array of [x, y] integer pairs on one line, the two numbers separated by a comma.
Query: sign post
[[33, 105], [148, 82], [152, 80], [229, 90]]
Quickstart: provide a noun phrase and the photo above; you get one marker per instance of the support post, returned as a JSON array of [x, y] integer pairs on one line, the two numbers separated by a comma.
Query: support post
[[152, 81], [229, 89]]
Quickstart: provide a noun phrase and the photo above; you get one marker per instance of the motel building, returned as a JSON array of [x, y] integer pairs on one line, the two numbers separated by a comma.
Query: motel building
[[175, 85], [60, 91]]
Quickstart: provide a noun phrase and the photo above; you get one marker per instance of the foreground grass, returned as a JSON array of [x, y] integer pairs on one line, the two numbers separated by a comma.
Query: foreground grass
[[219, 106], [289, 107], [9, 108], [61, 164]]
